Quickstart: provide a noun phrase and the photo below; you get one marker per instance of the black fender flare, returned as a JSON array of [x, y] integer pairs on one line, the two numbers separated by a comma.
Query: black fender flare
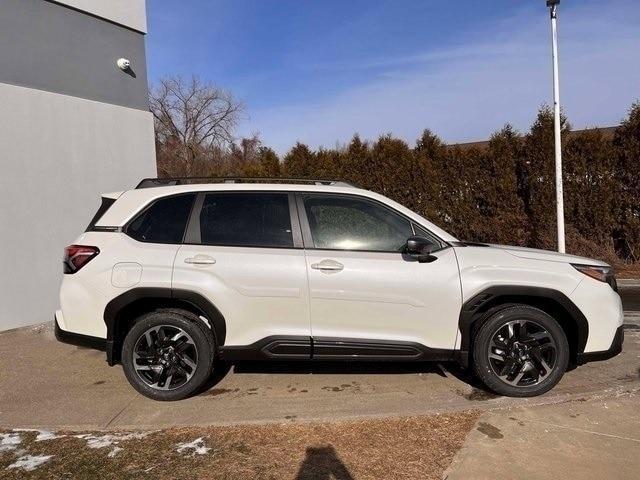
[[201, 304], [481, 302]]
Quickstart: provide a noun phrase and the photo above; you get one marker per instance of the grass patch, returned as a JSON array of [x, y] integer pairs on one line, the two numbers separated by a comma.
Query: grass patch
[[391, 448]]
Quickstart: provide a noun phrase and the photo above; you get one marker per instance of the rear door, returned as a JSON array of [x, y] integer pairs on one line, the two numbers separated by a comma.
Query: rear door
[[243, 252], [367, 298], [152, 239]]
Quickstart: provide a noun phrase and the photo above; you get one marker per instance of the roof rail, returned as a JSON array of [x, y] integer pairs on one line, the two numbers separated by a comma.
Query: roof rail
[[164, 182]]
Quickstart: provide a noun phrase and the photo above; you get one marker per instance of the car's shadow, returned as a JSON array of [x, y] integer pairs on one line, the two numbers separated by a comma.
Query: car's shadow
[[348, 368], [337, 368]]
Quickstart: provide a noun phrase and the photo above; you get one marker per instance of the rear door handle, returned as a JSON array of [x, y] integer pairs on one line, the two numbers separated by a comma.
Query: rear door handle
[[200, 260], [328, 266]]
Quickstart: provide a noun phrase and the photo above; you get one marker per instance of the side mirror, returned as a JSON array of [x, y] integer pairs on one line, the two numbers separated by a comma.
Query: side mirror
[[420, 248]]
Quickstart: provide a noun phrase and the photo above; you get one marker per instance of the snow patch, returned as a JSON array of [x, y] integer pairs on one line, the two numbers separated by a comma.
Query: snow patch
[[29, 462], [107, 440], [9, 441], [197, 446], [42, 436], [114, 452]]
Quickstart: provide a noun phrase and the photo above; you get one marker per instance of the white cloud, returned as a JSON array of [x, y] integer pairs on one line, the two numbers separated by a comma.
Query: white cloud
[[465, 92]]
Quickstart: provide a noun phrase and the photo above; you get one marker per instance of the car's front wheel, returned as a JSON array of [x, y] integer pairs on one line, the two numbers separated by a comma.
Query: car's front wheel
[[167, 356], [520, 351]]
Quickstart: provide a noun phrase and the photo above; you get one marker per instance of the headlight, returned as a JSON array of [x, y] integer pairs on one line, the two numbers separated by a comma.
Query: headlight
[[603, 274]]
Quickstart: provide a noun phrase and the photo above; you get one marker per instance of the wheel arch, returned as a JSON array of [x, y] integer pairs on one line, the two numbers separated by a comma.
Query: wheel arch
[[553, 302], [125, 308]]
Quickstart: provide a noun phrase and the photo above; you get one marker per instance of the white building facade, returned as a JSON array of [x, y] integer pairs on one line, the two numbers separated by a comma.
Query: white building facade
[[72, 125]]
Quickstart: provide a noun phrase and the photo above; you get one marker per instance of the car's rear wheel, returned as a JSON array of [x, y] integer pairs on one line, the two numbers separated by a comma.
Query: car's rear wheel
[[167, 356], [520, 351]]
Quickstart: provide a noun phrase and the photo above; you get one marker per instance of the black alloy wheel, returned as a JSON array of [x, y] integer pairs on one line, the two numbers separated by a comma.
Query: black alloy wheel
[[165, 357], [168, 354], [520, 351]]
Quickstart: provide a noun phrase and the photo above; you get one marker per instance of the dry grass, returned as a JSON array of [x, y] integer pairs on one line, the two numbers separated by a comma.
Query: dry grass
[[393, 448]]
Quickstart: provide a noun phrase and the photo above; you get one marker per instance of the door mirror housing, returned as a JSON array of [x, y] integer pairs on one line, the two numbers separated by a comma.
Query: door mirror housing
[[421, 248]]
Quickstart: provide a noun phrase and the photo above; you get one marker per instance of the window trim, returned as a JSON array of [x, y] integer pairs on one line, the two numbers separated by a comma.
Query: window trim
[[193, 234], [306, 229], [143, 210]]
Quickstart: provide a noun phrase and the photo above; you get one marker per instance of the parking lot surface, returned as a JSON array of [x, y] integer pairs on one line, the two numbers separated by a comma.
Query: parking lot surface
[[44, 383]]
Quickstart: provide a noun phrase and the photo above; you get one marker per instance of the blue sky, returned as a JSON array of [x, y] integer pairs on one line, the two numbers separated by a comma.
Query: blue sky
[[320, 71]]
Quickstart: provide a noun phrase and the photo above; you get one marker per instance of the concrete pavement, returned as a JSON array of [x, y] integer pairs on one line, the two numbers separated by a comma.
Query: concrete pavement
[[47, 384], [594, 439]]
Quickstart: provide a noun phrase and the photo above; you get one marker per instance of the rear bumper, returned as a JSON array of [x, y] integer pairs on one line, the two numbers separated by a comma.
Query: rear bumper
[[612, 351], [78, 339]]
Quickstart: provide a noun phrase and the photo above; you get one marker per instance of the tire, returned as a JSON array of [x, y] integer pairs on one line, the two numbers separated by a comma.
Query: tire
[[529, 352], [174, 355]]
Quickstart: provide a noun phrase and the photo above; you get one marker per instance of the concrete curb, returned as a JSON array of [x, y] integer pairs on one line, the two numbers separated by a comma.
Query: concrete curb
[[628, 282]]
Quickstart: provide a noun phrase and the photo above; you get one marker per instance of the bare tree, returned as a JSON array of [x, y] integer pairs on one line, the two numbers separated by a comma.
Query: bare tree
[[194, 120]]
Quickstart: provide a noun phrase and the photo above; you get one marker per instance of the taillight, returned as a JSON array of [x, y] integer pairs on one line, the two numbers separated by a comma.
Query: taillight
[[77, 256]]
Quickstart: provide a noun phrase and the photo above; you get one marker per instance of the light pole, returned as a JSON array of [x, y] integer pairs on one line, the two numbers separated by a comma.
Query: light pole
[[553, 8]]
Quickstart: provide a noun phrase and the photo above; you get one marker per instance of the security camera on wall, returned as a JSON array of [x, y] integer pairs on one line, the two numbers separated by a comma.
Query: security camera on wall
[[124, 64]]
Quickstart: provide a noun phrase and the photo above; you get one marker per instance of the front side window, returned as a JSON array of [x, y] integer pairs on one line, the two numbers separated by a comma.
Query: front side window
[[164, 221], [246, 220], [418, 230], [344, 223]]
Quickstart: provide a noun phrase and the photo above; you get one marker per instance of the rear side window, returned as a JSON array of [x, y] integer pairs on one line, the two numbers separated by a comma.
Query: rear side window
[[246, 220], [164, 221]]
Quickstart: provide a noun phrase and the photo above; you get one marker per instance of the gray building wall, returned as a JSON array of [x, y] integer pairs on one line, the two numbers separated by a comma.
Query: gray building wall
[[72, 125], [50, 47]]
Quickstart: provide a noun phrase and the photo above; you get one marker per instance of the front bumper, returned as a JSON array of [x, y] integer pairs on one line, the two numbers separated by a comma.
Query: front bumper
[[602, 308], [612, 351]]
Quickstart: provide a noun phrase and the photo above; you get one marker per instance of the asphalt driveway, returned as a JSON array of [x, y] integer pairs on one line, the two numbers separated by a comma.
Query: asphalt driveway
[[630, 294], [47, 384]]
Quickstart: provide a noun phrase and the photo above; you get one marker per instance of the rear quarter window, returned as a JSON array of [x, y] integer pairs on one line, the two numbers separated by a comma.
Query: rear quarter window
[[164, 221], [104, 206]]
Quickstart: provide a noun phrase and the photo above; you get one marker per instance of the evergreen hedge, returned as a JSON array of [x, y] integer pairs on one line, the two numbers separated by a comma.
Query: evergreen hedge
[[502, 193]]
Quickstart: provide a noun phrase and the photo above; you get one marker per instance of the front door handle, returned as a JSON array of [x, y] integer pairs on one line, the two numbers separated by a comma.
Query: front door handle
[[200, 260], [328, 266]]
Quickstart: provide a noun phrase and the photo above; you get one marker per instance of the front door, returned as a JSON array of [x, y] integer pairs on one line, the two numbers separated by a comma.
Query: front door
[[367, 298], [243, 254]]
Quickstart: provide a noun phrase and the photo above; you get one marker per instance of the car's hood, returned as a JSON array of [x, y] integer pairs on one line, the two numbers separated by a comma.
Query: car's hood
[[537, 254]]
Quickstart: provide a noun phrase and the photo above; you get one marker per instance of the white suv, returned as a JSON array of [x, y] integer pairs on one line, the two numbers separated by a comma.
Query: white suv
[[175, 279]]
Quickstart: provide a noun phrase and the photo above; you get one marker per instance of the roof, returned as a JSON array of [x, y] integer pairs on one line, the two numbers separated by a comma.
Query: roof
[[172, 181]]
